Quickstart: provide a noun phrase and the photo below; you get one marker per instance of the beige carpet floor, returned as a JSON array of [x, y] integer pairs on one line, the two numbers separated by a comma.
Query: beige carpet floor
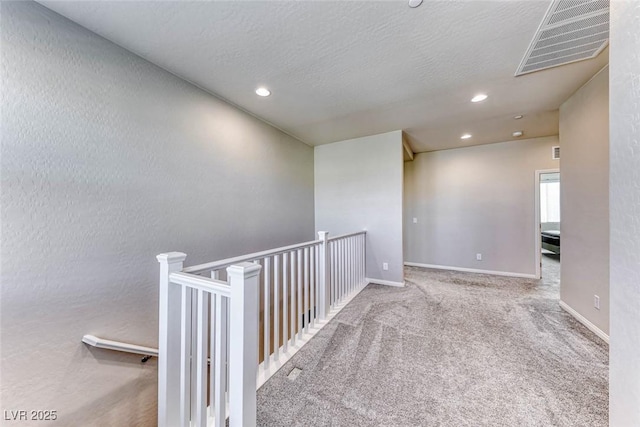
[[449, 349]]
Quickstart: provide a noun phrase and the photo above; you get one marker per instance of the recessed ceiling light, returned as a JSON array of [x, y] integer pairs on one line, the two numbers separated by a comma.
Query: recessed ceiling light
[[415, 3], [479, 97], [263, 91], [466, 136], [518, 117], [517, 133]]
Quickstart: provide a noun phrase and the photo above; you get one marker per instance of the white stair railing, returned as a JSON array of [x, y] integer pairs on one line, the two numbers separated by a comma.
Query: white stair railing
[[268, 305], [347, 265]]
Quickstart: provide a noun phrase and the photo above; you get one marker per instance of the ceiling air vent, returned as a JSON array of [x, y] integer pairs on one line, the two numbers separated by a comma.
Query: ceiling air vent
[[555, 152], [572, 30]]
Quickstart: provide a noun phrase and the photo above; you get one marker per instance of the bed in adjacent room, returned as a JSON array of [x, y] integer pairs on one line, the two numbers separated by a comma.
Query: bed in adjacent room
[[551, 240]]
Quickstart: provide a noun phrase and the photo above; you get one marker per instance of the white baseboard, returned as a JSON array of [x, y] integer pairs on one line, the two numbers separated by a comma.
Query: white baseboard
[[385, 282], [472, 270], [580, 318]]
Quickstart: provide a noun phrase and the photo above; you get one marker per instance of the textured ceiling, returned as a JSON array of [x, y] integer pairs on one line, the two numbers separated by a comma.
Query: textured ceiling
[[345, 69]]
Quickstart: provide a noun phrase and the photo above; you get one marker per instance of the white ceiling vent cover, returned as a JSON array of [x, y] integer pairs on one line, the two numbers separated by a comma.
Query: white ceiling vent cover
[[572, 30]]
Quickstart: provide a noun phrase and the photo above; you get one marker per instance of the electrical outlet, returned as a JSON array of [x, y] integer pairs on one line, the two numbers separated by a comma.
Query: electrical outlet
[[415, 220], [478, 257], [385, 266], [596, 302]]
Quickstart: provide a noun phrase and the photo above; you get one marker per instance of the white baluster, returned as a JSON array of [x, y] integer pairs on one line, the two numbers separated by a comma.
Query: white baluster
[[267, 310], [324, 276], [220, 361], [228, 338], [305, 293], [194, 350], [169, 341], [185, 357], [243, 363], [318, 315], [335, 268], [334, 273], [299, 308], [348, 265], [360, 252], [276, 307], [355, 262], [352, 263], [312, 286], [343, 243], [349, 271], [212, 349], [292, 307], [200, 359], [341, 268], [359, 260], [364, 258], [285, 302]]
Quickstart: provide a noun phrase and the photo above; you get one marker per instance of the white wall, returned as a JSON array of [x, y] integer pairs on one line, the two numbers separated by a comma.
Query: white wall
[[624, 374], [472, 200], [108, 160], [584, 200], [358, 186]]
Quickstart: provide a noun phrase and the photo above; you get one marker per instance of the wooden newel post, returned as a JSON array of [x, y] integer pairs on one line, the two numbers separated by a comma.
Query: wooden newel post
[[169, 341], [324, 288], [243, 343]]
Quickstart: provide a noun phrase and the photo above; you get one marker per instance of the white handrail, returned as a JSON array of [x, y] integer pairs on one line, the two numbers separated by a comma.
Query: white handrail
[[94, 341], [213, 286], [344, 236], [217, 265]]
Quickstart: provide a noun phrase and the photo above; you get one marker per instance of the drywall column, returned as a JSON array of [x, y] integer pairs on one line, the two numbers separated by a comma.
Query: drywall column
[[584, 201], [358, 186], [624, 393]]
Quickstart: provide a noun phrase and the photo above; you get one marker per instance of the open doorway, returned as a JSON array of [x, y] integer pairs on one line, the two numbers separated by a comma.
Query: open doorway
[[548, 219]]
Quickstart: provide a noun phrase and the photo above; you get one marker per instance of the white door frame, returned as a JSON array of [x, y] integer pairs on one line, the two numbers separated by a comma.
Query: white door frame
[[536, 225]]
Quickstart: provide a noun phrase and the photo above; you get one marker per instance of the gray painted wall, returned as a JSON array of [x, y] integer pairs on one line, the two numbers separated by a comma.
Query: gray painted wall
[[358, 185], [108, 160], [473, 200], [624, 390], [584, 200]]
